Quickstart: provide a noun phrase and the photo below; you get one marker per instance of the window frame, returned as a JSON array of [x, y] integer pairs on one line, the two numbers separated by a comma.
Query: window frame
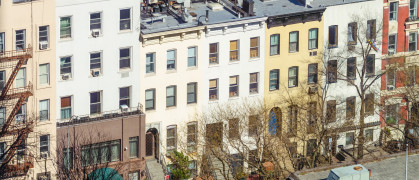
[[2, 79], [171, 66], [66, 107], [99, 103], [296, 43], [43, 146], [2, 116], [215, 89], [293, 77], [133, 140], [312, 74], [331, 111], [125, 19], [369, 107], [194, 56], [213, 56], [253, 125], [350, 135], [352, 33], [69, 35], [46, 74], [234, 132], [237, 51], [22, 41], [316, 39], [392, 110], [21, 117], [292, 120], [413, 42], [393, 12], [42, 118], [370, 65], [94, 23], [151, 64], [231, 88], [371, 27], [332, 72], [23, 78], [413, 15], [335, 36], [351, 63], [125, 98], [191, 137], [172, 96], [124, 58], [254, 48], [2, 42], [369, 135], [174, 137], [43, 36], [391, 45], [391, 76], [95, 59], [274, 81], [350, 107], [271, 52], [254, 90], [194, 93], [62, 63], [153, 99]]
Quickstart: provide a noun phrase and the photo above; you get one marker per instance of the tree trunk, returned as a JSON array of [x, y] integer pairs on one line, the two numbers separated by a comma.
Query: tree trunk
[[361, 130]]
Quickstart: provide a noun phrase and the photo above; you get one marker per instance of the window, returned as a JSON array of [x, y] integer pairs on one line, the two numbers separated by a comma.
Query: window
[[274, 79], [171, 59], [95, 102], [66, 107], [150, 62], [350, 138], [44, 74], [192, 56], [95, 22], [150, 99], [171, 139], [95, 61], [393, 11], [43, 37], [351, 68], [411, 75], [313, 38], [124, 96], [191, 139], [274, 44], [392, 114], [311, 146], [21, 114], [312, 117], [44, 144], [213, 89], [413, 6], [352, 33], [253, 125], [312, 74], [133, 176], [170, 96], [44, 110], [412, 41], [233, 128], [65, 27], [191, 93], [2, 79], [370, 65], [333, 36], [103, 152], [331, 111], [133, 147], [253, 83], [292, 120], [65, 65], [21, 78], [21, 152], [369, 135], [2, 43], [392, 45], [234, 50], [124, 58], [234, 86], [369, 104], [371, 29], [332, 72], [350, 107], [293, 77], [391, 78], [20, 39], [213, 56], [68, 158], [254, 47], [293, 44], [2, 116], [2, 150], [125, 19]]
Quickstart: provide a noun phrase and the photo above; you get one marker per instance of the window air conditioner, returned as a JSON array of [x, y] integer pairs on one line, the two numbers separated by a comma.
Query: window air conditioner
[[312, 89], [95, 72], [65, 76], [44, 155], [43, 45], [390, 51], [390, 87], [124, 108], [95, 32]]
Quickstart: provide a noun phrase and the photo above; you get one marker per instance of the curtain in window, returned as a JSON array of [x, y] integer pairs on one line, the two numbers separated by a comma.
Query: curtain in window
[[133, 145]]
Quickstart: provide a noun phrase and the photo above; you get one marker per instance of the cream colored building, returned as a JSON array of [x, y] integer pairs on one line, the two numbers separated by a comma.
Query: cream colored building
[[27, 37]]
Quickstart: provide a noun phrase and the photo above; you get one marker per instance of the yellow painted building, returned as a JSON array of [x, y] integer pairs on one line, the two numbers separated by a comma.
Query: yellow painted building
[[292, 67]]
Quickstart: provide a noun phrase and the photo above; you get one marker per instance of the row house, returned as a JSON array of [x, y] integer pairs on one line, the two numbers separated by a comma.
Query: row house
[[28, 89]]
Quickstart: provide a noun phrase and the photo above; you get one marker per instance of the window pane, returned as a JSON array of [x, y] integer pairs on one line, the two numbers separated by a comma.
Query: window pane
[[293, 37]]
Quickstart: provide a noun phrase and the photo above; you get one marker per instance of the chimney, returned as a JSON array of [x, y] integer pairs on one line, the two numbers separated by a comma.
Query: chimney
[[206, 15], [248, 7]]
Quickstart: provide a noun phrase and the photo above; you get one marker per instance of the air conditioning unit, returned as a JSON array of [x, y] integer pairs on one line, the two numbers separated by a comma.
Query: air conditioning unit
[[312, 89], [43, 45], [44, 155], [124, 108], [313, 53], [95, 32], [65, 76], [95, 72], [391, 51], [390, 87]]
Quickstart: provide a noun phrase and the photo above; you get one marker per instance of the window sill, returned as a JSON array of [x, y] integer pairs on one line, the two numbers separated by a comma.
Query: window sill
[[233, 98], [273, 54], [212, 101], [213, 65], [151, 110], [253, 94], [150, 74], [171, 71], [124, 31], [71, 79], [171, 107], [192, 104], [65, 39], [43, 50], [292, 52], [92, 37], [254, 59], [332, 47], [292, 86], [124, 70], [44, 86], [191, 68], [273, 89]]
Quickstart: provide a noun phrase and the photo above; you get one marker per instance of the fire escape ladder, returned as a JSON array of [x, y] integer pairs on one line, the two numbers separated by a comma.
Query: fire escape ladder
[[12, 116], [12, 78]]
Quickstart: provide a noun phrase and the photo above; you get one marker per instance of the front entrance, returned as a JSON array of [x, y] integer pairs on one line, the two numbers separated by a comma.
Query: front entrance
[[152, 144]]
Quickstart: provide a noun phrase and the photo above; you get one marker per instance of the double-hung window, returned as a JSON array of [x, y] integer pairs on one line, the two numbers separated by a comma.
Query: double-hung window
[[293, 77], [65, 27], [371, 29], [170, 96], [21, 114], [412, 41], [95, 102], [392, 45], [254, 47], [2, 116], [2, 79], [333, 36], [392, 114], [412, 75], [369, 104], [391, 78], [254, 85], [171, 138], [2, 43], [191, 139], [65, 66], [352, 33], [124, 58], [171, 59], [313, 38], [2, 150], [133, 147], [370, 65], [124, 96], [95, 21], [350, 136], [191, 92], [293, 44], [234, 50], [350, 107], [312, 73], [369, 135], [331, 111], [192, 56], [413, 8], [66, 107], [234, 86], [292, 120], [43, 37], [274, 79], [125, 19], [20, 39], [213, 89], [95, 61], [150, 59], [274, 44], [44, 110], [150, 98], [21, 78], [44, 144], [213, 53], [393, 11], [332, 72], [44, 74], [351, 68]]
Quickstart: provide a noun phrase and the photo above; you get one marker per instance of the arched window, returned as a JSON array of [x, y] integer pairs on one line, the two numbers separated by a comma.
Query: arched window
[[275, 121]]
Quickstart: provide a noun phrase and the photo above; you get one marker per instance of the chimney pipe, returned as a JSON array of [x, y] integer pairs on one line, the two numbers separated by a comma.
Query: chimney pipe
[[206, 15]]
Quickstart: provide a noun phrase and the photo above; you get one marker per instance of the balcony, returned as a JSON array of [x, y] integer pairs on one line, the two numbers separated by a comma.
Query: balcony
[[18, 92], [16, 54]]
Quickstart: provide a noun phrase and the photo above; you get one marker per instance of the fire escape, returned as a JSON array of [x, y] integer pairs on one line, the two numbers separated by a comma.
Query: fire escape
[[12, 99]]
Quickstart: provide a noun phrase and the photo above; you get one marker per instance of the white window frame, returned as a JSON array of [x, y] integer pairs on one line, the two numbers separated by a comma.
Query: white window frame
[[19, 79], [254, 47], [96, 103], [2, 43], [413, 10], [233, 86], [45, 75], [125, 97], [71, 107], [394, 46], [94, 22], [126, 19], [153, 99], [393, 12], [44, 145], [346, 138], [43, 38], [64, 36], [95, 59], [125, 57], [21, 42], [172, 64], [42, 118], [413, 42], [150, 65], [192, 57]]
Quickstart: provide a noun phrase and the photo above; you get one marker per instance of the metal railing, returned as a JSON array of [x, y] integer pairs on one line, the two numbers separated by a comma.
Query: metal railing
[[16, 54], [17, 92]]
